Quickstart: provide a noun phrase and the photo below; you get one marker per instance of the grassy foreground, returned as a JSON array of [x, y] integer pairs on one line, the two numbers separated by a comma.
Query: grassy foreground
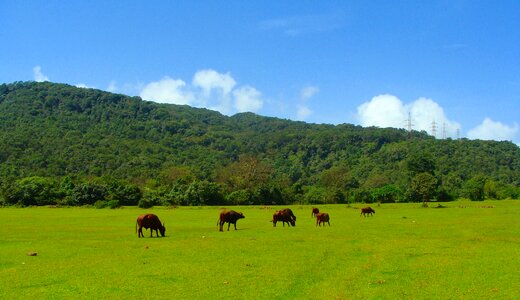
[[467, 250]]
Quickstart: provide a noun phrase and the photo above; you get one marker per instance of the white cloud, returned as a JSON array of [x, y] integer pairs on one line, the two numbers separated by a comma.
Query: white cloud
[[209, 89], [38, 75], [303, 112], [491, 130], [382, 111], [390, 111], [247, 98], [84, 86], [112, 87], [211, 79], [308, 92], [167, 90]]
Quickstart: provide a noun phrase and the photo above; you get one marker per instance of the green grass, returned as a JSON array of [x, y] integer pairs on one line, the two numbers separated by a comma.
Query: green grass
[[463, 251]]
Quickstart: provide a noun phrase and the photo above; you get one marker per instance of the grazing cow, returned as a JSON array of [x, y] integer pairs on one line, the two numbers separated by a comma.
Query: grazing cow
[[322, 218], [367, 211], [285, 216], [315, 211], [150, 221], [230, 217]]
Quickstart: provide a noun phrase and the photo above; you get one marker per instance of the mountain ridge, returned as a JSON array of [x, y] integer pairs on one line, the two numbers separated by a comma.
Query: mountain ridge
[[57, 130]]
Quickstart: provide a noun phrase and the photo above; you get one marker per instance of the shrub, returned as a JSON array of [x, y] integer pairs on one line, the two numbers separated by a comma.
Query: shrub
[[88, 193], [113, 204], [146, 202], [100, 204]]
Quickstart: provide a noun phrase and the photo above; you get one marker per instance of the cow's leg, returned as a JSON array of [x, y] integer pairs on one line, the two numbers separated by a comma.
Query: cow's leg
[[140, 232], [235, 225], [228, 224]]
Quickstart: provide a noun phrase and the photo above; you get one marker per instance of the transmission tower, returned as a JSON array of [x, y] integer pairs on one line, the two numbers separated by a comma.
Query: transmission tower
[[408, 123], [434, 129]]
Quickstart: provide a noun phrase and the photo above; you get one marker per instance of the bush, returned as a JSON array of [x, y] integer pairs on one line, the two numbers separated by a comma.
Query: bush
[[146, 202], [100, 204], [240, 197], [386, 194], [474, 188], [203, 193], [88, 193], [113, 204], [444, 196], [315, 195], [32, 191], [67, 201]]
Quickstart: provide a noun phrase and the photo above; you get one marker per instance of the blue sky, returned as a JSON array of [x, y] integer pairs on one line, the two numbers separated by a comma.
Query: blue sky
[[455, 63]]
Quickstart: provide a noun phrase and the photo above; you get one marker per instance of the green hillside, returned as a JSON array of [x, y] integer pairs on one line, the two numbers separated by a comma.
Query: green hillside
[[65, 145]]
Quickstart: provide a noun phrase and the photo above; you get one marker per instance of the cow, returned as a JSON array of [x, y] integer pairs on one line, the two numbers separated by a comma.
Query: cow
[[315, 211], [367, 211], [285, 216], [322, 218], [230, 217], [150, 221]]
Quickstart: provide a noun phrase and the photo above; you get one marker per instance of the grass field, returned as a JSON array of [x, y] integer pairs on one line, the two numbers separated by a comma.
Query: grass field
[[468, 250]]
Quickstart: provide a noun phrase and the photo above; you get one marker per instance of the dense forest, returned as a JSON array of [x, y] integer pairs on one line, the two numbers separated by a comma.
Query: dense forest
[[63, 145]]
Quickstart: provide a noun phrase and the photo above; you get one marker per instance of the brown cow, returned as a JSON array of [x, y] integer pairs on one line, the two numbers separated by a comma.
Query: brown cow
[[230, 217], [367, 211], [322, 218], [315, 211], [285, 216], [150, 221]]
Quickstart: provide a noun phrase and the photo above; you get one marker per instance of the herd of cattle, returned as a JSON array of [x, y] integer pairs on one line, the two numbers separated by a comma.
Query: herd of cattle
[[152, 222]]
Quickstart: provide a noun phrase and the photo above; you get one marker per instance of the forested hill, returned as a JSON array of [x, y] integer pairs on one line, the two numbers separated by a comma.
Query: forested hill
[[64, 134]]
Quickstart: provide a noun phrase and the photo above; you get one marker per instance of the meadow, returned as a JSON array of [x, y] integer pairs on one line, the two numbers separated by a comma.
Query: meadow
[[466, 250]]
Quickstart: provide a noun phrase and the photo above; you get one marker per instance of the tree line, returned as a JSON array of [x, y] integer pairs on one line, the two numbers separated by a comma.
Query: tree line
[[62, 145]]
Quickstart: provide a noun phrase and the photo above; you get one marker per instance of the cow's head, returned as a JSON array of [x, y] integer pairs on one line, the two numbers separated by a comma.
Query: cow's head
[[162, 229], [241, 215], [293, 222]]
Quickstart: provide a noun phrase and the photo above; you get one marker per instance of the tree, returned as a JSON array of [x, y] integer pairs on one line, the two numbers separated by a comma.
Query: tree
[[420, 163], [34, 191], [203, 193], [88, 193], [422, 188], [474, 188], [386, 194], [248, 173]]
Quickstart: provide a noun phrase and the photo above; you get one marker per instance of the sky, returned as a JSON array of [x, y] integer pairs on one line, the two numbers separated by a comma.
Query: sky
[[450, 68]]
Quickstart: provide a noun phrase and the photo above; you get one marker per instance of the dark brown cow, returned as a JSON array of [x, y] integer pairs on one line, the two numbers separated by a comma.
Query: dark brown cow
[[367, 211], [315, 211], [150, 221], [285, 216], [230, 217], [322, 218]]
